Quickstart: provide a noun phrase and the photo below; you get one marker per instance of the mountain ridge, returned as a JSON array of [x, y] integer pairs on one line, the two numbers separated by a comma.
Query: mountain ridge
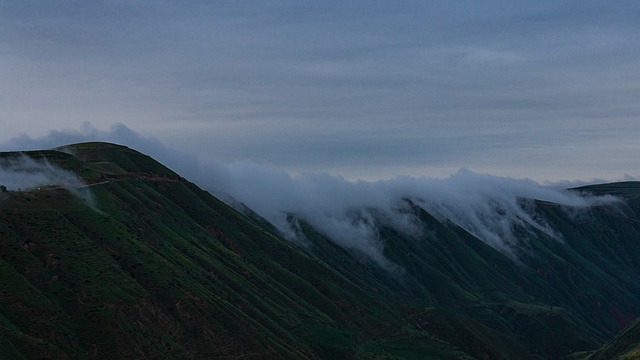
[[189, 265]]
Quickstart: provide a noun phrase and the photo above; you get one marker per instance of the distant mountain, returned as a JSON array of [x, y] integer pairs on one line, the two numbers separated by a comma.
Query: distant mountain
[[105, 253]]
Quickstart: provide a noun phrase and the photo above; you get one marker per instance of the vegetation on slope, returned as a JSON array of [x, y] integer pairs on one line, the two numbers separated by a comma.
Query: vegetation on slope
[[161, 269], [625, 346], [155, 267]]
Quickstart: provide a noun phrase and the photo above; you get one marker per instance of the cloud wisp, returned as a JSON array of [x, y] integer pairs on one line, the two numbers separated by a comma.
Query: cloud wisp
[[24, 173]]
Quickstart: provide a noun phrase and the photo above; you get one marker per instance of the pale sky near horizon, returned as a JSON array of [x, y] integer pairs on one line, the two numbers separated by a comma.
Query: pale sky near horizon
[[365, 89]]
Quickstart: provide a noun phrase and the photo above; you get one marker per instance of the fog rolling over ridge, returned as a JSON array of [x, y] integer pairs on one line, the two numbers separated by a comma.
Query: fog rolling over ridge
[[348, 212]]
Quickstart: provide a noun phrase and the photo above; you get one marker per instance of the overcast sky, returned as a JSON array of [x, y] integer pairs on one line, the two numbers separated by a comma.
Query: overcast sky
[[365, 89]]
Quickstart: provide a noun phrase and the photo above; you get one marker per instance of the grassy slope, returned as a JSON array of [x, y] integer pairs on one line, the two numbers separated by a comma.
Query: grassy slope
[[625, 346], [451, 269], [565, 295], [165, 270]]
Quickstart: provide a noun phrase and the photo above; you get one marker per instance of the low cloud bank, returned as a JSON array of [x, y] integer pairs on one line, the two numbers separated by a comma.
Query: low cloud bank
[[350, 212]]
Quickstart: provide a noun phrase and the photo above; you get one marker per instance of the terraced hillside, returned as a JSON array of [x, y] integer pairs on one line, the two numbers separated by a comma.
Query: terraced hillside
[[134, 261]]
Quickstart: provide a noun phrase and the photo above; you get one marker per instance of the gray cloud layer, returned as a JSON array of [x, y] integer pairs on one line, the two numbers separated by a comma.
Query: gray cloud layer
[[364, 89]]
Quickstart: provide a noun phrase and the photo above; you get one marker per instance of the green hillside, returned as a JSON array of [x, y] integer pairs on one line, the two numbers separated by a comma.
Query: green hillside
[[564, 296], [150, 266], [625, 346]]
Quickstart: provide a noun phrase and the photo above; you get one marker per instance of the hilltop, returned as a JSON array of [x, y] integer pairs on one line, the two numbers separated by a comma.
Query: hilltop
[[124, 258]]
